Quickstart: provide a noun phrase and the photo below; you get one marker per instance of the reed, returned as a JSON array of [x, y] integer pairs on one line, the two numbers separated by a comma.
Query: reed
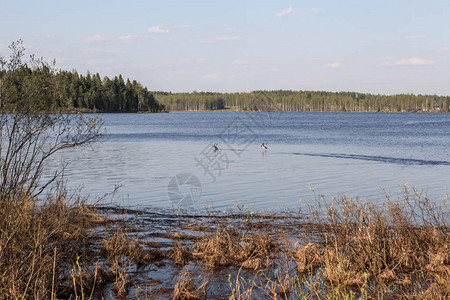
[[341, 248]]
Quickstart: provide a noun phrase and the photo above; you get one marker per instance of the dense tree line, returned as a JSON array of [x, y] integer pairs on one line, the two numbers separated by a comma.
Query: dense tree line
[[303, 101], [46, 89], [107, 95]]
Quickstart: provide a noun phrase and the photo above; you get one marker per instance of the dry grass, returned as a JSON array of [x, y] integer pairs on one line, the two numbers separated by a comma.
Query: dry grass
[[344, 248], [236, 245], [38, 242], [188, 287], [180, 254], [388, 244]]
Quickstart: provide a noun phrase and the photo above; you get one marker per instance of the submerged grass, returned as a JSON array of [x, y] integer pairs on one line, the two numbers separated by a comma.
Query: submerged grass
[[341, 248]]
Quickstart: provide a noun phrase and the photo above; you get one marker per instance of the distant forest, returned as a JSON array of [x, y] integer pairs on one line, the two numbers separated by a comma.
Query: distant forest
[[303, 101], [65, 91], [68, 91], [105, 95]]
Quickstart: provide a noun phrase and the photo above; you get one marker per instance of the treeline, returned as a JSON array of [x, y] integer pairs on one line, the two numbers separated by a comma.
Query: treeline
[[105, 95], [303, 101], [65, 91]]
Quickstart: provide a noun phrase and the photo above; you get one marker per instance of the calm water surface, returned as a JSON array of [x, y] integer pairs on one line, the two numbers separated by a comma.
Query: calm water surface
[[334, 153]]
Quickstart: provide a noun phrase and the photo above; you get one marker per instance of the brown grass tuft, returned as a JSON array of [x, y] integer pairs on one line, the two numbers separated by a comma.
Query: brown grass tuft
[[307, 257], [38, 242], [180, 255], [187, 287], [227, 246]]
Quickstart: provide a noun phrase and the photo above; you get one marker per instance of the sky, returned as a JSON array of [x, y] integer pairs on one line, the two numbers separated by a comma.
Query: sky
[[382, 47]]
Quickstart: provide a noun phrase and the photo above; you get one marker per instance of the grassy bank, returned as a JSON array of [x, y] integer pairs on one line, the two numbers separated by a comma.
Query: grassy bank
[[341, 248]]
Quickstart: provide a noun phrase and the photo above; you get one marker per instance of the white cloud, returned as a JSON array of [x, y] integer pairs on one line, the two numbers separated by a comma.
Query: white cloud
[[286, 12], [96, 50], [158, 29], [127, 38], [333, 65], [183, 27], [187, 72], [445, 49], [228, 38], [413, 61], [97, 38], [240, 62], [51, 37], [212, 76], [415, 37]]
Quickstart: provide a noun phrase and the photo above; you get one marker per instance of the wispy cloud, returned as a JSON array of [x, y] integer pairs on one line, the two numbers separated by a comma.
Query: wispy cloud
[[445, 49], [158, 29], [51, 37], [127, 38], [415, 37], [240, 62], [183, 26], [286, 12], [413, 61], [212, 76], [96, 50], [97, 38], [227, 38], [333, 65]]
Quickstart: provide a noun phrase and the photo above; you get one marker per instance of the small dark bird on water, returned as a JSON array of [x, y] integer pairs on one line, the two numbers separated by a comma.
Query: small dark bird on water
[[215, 147], [264, 146]]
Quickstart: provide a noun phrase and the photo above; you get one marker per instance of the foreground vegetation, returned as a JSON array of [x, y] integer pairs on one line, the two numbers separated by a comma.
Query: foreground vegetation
[[344, 248], [303, 101]]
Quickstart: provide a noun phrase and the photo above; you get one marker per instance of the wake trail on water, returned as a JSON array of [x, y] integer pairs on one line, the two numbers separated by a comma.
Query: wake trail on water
[[385, 159]]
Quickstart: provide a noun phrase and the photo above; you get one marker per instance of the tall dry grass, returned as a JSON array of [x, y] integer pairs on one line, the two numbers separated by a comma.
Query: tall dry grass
[[342, 248], [349, 248], [38, 242], [390, 244]]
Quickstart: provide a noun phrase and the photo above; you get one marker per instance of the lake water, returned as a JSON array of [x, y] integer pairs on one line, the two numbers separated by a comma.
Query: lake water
[[333, 153]]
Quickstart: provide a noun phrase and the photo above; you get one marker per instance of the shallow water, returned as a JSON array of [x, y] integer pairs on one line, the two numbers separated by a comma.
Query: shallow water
[[330, 153]]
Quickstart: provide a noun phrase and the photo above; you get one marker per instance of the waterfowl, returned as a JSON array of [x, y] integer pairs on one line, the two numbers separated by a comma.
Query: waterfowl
[[264, 146]]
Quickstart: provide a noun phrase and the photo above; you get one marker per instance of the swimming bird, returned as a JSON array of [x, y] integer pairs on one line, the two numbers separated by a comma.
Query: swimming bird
[[264, 146], [215, 147]]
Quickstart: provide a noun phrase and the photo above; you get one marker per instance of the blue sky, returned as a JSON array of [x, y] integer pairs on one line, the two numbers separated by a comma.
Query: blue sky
[[386, 47]]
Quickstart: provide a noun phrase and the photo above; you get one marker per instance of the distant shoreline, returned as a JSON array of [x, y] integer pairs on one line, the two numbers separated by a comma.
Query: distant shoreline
[[230, 110], [93, 111], [302, 101]]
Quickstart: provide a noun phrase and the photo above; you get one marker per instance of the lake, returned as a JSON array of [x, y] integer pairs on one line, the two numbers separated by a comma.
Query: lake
[[167, 160]]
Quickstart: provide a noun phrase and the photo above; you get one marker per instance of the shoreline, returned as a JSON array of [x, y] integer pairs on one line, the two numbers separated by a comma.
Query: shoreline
[[343, 248], [90, 111], [343, 112], [236, 253], [339, 249]]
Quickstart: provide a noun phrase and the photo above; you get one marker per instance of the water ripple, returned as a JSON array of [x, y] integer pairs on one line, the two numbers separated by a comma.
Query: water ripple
[[385, 159]]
